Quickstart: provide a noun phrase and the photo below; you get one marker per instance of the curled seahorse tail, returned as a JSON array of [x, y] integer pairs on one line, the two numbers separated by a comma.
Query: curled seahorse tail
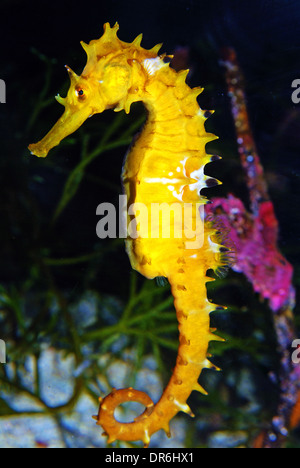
[[192, 310], [118, 430]]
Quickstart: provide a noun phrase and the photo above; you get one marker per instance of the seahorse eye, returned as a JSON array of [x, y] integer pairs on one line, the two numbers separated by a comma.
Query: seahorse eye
[[80, 93]]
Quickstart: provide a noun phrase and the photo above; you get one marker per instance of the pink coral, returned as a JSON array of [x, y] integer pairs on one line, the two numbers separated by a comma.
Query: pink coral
[[254, 239]]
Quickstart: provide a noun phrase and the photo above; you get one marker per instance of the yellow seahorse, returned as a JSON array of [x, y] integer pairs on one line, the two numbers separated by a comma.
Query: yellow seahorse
[[165, 165]]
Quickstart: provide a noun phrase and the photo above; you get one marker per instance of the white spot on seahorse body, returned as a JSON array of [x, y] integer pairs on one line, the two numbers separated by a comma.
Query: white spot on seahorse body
[[146, 439], [183, 162], [161, 180], [182, 406], [152, 65], [214, 247], [200, 177], [165, 180], [179, 195]]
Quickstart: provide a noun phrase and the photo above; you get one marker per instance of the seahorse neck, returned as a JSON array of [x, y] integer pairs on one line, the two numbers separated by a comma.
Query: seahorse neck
[[166, 93], [175, 124]]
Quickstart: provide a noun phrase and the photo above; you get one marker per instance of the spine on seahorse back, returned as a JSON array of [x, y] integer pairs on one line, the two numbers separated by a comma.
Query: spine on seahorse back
[[166, 165]]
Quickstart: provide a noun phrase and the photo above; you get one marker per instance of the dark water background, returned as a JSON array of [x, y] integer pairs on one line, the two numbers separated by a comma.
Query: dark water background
[[266, 37]]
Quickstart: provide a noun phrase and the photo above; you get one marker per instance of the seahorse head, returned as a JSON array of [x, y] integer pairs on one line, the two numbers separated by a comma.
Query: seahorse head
[[114, 77]]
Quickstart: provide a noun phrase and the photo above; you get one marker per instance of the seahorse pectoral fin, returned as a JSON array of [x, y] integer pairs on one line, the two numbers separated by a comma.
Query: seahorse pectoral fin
[[68, 123]]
